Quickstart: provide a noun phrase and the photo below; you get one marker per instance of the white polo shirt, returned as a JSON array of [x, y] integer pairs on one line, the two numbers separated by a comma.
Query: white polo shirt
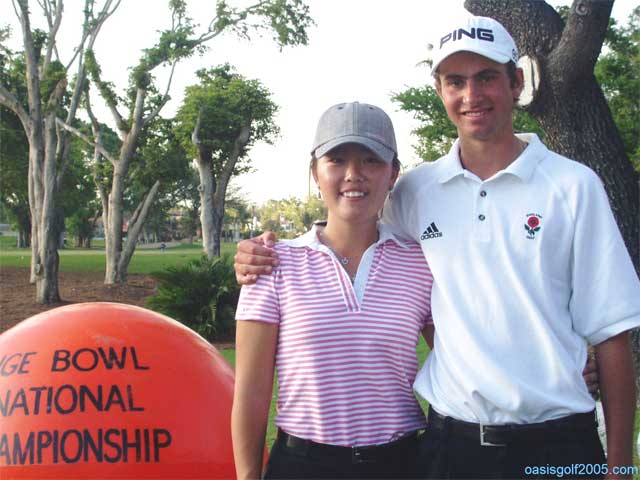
[[528, 267]]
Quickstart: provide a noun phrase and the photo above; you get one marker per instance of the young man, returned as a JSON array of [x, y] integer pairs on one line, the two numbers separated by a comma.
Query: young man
[[529, 267]]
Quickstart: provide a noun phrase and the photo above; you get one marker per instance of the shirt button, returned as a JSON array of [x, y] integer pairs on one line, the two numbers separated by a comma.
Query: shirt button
[[483, 193], [481, 217]]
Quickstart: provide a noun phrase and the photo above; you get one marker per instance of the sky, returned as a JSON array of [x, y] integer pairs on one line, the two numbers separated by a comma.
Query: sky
[[359, 50]]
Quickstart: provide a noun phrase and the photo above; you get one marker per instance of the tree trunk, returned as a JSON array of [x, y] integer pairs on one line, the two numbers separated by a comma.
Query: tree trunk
[[217, 229], [208, 219], [119, 253], [212, 193], [44, 238], [113, 228], [24, 238], [570, 105], [135, 225]]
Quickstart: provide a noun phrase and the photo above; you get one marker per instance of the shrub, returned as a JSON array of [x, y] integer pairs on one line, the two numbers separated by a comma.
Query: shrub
[[202, 294]]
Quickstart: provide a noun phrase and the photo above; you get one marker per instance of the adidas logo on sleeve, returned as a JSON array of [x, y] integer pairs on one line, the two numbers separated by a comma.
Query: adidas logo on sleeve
[[431, 232]]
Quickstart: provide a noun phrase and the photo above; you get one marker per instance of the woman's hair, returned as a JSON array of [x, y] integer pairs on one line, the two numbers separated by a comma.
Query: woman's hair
[[395, 164]]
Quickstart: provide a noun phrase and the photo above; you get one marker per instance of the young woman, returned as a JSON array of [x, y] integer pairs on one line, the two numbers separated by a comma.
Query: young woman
[[339, 319]]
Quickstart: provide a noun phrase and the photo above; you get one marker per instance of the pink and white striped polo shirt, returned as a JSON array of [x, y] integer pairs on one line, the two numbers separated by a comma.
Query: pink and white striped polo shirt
[[345, 360]]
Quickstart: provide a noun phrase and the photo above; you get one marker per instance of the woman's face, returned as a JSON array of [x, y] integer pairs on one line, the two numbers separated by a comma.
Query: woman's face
[[354, 183]]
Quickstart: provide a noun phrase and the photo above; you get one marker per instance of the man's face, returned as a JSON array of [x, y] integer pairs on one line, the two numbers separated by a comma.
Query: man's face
[[478, 95]]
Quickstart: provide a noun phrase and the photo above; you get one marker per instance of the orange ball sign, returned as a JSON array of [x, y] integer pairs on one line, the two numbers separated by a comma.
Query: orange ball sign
[[104, 390]]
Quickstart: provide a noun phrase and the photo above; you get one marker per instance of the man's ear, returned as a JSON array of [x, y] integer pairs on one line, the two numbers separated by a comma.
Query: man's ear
[[519, 86], [438, 85]]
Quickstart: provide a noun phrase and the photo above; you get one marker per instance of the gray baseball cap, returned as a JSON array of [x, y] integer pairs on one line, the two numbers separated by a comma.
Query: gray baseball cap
[[360, 123]]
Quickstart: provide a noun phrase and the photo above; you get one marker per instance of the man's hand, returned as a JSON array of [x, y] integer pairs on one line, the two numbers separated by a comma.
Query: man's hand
[[255, 257], [590, 375]]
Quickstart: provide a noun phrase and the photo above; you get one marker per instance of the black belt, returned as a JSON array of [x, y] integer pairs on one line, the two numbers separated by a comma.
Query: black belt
[[501, 435], [364, 454]]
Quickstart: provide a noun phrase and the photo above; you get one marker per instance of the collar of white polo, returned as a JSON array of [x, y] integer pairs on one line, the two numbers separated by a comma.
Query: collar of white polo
[[522, 167]]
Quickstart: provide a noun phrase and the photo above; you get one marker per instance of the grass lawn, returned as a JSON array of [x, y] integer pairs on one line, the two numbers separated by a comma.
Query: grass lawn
[[93, 260]]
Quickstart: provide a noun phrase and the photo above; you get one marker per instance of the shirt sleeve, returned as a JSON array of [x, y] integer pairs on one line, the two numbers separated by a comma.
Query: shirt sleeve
[[396, 211], [606, 292], [259, 302]]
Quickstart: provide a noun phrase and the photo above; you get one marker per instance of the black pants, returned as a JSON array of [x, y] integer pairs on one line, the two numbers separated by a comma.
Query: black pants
[[565, 455], [339, 462]]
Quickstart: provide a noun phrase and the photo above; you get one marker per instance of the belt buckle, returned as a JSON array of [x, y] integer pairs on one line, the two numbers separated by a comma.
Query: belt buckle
[[486, 443], [359, 455]]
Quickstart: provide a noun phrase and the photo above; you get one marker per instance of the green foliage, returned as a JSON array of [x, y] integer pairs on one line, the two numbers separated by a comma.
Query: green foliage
[[39, 38], [618, 72], [94, 71], [160, 156], [5, 34], [14, 164], [55, 73], [287, 20], [291, 217], [436, 132], [226, 101], [237, 212], [202, 294], [14, 147]]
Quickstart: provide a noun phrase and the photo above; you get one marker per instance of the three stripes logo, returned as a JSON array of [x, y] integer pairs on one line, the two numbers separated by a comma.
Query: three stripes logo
[[431, 232]]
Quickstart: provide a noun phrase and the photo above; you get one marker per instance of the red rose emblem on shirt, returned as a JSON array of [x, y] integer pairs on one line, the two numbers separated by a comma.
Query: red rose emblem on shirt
[[532, 225]]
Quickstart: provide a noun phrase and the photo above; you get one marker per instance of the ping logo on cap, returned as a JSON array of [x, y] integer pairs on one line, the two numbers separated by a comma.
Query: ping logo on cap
[[485, 34]]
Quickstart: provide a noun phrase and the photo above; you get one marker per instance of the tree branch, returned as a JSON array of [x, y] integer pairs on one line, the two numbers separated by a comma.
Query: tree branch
[[11, 102], [247, 11], [33, 82], [56, 95], [163, 102], [86, 139], [240, 142], [135, 225], [581, 41], [195, 136], [138, 110], [93, 32], [87, 104], [53, 21], [17, 12], [97, 134]]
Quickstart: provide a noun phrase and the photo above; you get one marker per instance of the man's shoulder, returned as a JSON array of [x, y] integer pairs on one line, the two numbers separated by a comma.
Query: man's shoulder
[[566, 170], [423, 174]]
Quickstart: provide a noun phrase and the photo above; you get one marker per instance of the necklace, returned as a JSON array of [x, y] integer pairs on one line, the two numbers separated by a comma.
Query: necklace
[[342, 259]]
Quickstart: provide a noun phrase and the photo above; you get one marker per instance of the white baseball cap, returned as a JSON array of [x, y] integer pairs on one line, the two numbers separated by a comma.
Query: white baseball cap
[[482, 35]]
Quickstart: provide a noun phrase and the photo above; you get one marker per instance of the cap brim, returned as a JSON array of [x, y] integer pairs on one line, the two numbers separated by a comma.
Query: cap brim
[[496, 57], [384, 153]]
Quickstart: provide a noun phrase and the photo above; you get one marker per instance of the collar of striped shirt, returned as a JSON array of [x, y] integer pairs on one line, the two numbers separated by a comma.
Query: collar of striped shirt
[[310, 239]]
